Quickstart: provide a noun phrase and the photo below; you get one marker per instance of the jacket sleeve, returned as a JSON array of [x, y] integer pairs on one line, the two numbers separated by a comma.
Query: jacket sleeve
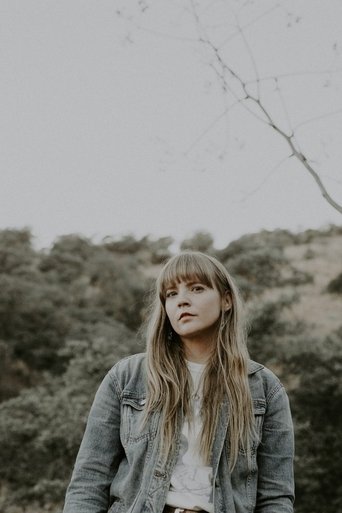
[[99, 454], [275, 492]]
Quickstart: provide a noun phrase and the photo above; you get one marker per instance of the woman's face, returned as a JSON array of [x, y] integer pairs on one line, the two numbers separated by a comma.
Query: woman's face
[[194, 309]]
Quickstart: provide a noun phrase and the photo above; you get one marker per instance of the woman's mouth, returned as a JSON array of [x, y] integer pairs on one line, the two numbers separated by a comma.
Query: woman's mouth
[[185, 315]]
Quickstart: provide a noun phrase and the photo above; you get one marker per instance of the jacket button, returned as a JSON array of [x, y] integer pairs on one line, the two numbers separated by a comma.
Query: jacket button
[[157, 473]]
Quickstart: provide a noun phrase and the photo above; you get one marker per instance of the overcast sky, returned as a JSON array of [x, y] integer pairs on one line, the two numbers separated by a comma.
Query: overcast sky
[[112, 118]]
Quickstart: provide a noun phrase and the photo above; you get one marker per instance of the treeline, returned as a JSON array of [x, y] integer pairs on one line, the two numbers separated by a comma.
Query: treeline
[[68, 314]]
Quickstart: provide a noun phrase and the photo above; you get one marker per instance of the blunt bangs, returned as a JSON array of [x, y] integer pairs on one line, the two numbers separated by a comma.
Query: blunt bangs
[[187, 267]]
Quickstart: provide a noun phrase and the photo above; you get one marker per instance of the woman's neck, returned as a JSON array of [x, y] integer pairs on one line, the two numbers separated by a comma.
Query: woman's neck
[[197, 352]]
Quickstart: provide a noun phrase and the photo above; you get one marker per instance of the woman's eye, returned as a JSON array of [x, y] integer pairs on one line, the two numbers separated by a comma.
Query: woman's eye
[[197, 288], [170, 293]]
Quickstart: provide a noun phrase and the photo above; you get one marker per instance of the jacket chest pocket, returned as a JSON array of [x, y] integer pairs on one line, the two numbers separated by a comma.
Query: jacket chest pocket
[[259, 408], [133, 427]]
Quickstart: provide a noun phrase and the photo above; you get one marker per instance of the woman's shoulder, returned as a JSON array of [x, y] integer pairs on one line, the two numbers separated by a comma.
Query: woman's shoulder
[[130, 371], [263, 379], [254, 367]]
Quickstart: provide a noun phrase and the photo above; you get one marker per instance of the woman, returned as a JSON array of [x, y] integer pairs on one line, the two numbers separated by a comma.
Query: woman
[[193, 425]]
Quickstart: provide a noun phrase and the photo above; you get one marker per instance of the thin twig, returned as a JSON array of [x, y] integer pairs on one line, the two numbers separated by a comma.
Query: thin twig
[[317, 118], [256, 189], [287, 115], [295, 74], [301, 157], [251, 56], [209, 127], [252, 22]]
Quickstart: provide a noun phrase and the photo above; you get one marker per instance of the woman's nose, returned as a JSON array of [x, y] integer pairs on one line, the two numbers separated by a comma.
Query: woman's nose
[[183, 299]]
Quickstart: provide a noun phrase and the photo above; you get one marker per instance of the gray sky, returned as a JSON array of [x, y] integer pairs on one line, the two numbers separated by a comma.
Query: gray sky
[[112, 119]]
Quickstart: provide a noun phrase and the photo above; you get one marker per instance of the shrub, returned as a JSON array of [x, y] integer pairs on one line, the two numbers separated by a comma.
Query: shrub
[[317, 409], [41, 429], [200, 241], [335, 285]]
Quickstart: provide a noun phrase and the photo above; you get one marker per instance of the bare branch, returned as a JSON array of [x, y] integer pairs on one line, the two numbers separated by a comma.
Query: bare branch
[[301, 157], [245, 95], [264, 115], [283, 104], [250, 53], [298, 154]]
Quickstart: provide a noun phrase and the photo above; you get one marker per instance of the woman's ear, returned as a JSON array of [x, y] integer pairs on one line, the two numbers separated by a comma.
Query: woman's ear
[[227, 302]]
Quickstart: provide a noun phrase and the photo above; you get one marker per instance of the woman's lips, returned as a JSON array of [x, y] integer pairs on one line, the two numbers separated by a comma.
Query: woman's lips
[[185, 315]]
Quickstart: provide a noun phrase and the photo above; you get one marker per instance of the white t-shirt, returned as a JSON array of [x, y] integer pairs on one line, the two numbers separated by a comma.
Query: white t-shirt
[[191, 480]]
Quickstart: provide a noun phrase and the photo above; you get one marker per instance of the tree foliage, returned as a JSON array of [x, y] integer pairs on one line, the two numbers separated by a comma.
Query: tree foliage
[[45, 424], [200, 241], [317, 409], [66, 315], [258, 262]]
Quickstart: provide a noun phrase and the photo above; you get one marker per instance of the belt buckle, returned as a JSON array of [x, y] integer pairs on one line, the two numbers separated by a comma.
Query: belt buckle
[[179, 510]]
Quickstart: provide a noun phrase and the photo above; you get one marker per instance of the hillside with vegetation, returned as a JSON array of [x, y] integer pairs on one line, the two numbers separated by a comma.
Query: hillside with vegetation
[[69, 313]]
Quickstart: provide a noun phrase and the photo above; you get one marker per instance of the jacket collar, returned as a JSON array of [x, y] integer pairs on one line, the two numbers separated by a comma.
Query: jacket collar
[[254, 367]]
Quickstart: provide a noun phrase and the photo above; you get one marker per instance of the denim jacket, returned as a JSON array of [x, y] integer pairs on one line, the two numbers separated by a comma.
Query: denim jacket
[[119, 469]]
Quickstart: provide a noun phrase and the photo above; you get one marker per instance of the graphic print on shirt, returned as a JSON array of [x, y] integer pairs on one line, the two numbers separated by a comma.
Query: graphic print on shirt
[[189, 477], [191, 480]]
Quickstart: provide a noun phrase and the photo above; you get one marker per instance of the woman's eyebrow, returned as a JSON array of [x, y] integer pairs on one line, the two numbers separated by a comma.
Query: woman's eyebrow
[[170, 286], [188, 282], [194, 282]]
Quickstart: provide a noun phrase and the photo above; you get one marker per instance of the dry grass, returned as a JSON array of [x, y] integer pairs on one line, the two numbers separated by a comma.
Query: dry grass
[[322, 258]]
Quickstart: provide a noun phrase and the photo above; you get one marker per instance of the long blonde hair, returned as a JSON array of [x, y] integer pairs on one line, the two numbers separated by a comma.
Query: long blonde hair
[[225, 375]]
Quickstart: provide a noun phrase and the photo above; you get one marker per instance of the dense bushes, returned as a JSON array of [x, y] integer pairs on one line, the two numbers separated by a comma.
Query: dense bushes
[[46, 298], [317, 409], [66, 315], [42, 427], [200, 241], [33, 320], [96, 278], [269, 333], [259, 263]]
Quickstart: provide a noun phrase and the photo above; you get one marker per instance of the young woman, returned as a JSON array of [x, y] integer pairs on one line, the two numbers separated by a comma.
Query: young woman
[[193, 425]]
